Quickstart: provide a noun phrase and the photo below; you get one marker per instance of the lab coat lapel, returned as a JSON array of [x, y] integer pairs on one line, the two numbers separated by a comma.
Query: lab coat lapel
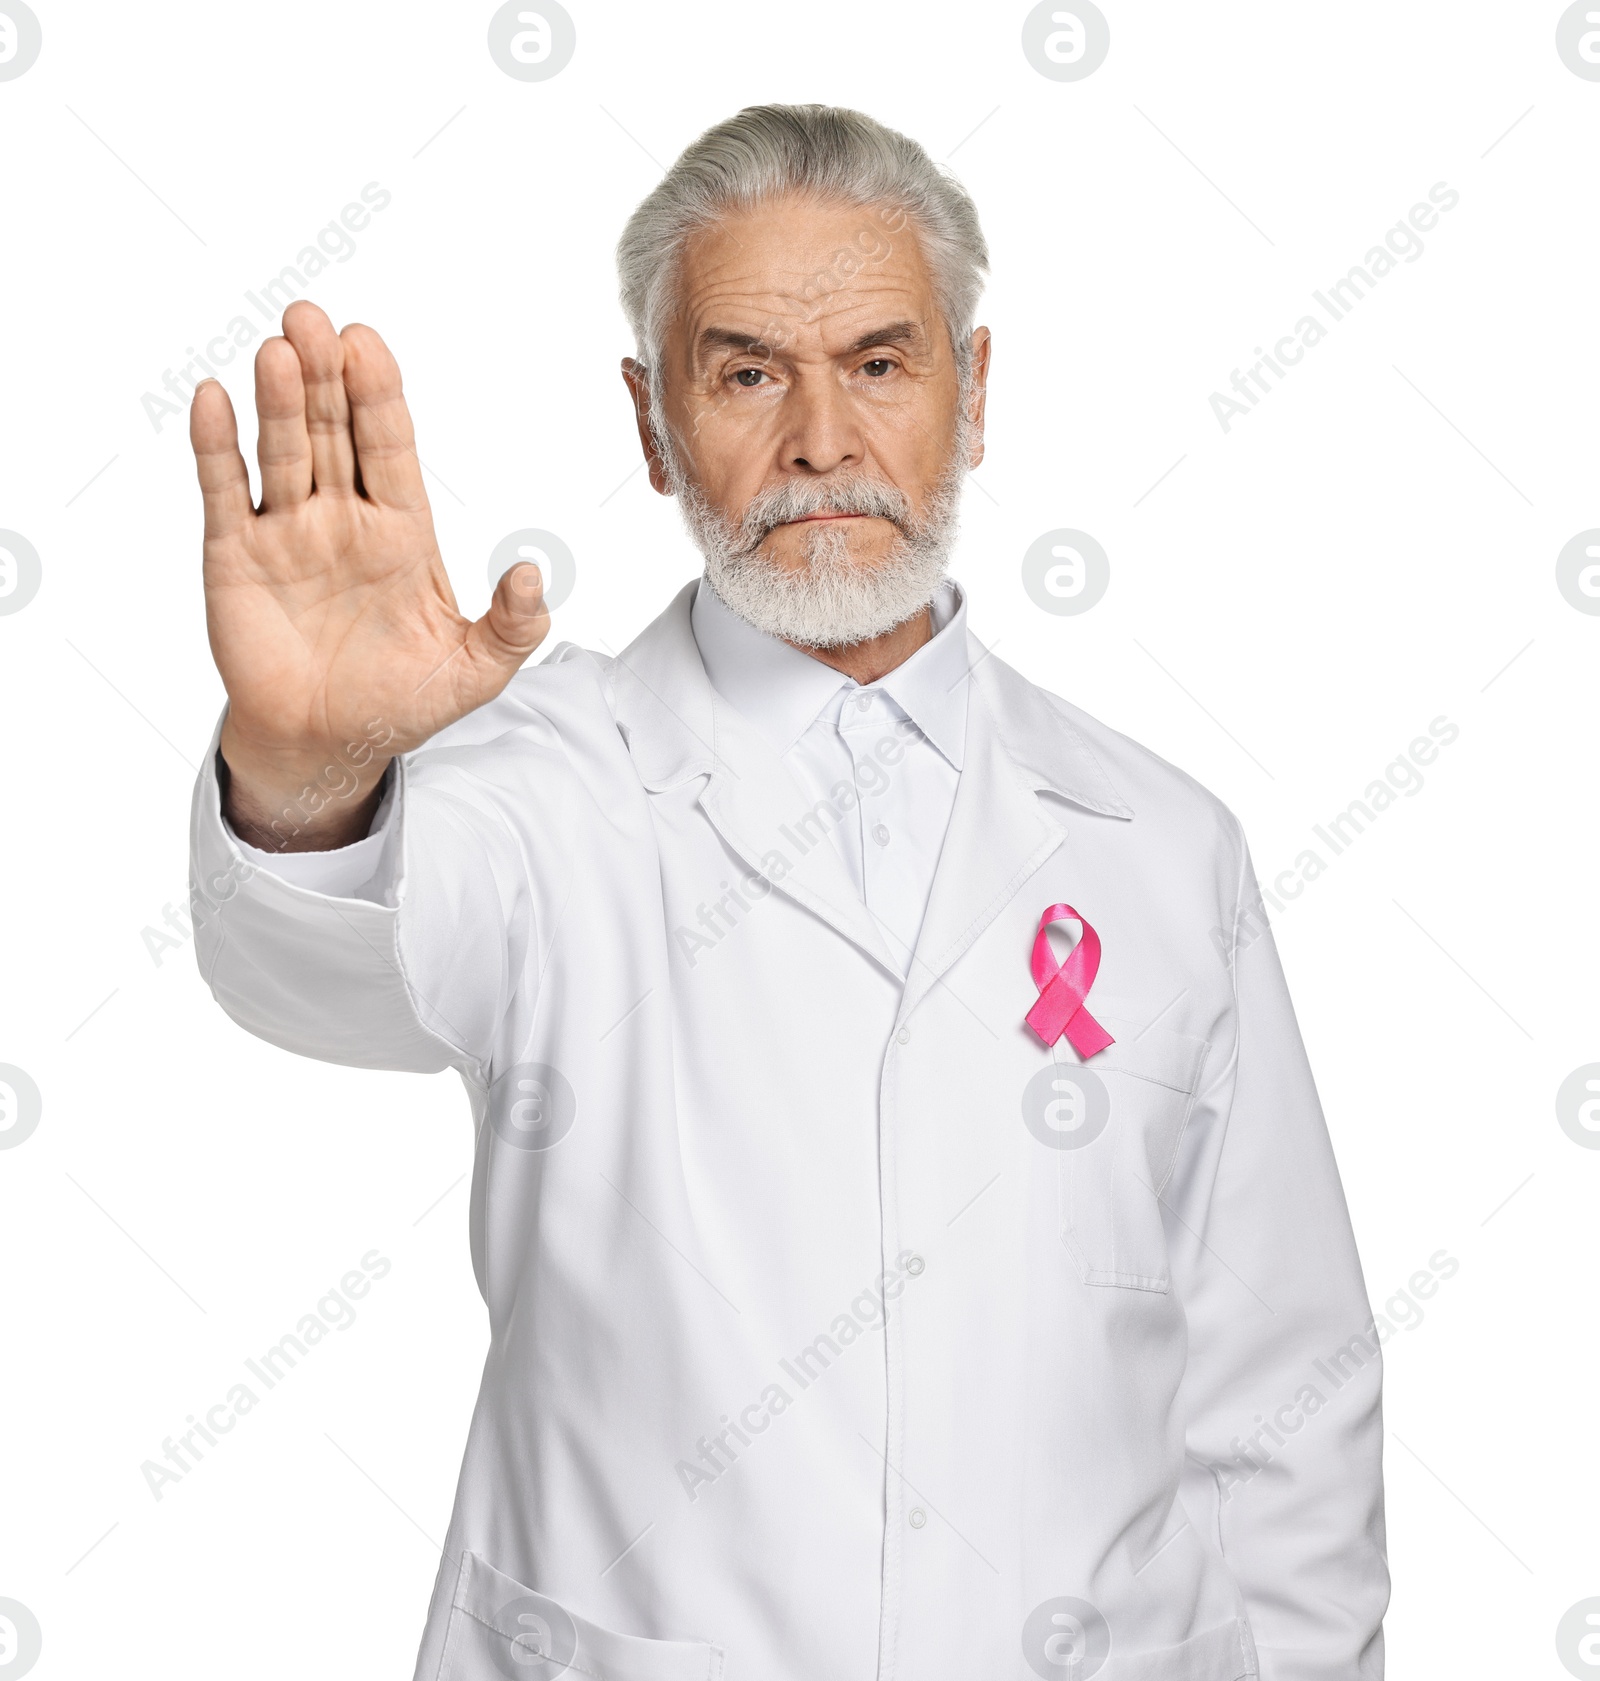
[[677, 727], [1000, 832], [760, 811]]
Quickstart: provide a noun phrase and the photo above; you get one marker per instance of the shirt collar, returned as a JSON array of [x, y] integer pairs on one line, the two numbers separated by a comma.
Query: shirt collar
[[782, 690]]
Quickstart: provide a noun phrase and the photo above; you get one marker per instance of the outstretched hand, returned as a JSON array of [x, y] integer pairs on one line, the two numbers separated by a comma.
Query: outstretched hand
[[330, 615]]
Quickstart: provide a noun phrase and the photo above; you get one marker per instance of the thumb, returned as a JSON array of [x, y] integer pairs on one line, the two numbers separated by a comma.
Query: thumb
[[517, 620]]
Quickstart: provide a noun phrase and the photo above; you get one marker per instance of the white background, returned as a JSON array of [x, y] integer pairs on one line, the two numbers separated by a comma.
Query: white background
[[1369, 549]]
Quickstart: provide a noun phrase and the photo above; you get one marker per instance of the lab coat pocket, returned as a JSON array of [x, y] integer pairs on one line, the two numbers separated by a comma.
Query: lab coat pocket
[[500, 1630], [1115, 1122]]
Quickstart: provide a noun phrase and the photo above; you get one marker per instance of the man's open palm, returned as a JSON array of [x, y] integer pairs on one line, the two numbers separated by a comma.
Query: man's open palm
[[328, 607]]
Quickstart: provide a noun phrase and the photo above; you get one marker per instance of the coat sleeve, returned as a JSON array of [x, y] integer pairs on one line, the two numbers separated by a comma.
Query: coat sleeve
[[1281, 1399], [413, 970]]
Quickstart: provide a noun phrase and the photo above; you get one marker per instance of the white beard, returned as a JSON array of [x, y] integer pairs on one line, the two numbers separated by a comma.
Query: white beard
[[833, 600]]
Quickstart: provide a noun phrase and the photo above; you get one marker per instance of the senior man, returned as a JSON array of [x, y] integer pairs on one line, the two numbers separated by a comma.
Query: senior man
[[882, 1282]]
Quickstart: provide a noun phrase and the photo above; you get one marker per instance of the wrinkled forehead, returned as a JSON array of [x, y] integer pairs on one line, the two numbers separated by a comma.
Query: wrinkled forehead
[[800, 276]]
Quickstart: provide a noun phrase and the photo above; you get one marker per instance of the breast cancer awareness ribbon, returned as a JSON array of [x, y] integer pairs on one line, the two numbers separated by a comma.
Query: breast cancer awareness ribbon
[[1059, 1008]]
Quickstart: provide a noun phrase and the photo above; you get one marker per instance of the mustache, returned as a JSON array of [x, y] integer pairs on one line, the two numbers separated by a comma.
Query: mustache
[[795, 498]]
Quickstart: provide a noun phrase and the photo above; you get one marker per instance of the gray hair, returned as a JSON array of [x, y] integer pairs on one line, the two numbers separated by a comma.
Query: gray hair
[[823, 151]]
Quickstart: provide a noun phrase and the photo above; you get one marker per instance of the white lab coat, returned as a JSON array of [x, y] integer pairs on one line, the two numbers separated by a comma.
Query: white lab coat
[[839, 1328]]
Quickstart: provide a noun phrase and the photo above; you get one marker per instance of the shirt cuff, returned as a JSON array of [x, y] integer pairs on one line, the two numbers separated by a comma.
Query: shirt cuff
[[340, 872]]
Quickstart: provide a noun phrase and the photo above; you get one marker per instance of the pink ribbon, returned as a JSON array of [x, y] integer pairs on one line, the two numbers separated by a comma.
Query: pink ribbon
[[1063, 987]]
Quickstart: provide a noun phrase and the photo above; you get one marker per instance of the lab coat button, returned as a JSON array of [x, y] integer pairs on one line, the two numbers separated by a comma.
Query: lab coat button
[[903, 1037], [915, 1265], [918, 1517]]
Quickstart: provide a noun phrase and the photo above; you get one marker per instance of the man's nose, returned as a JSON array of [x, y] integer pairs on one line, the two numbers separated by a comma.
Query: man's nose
[[823, 432]]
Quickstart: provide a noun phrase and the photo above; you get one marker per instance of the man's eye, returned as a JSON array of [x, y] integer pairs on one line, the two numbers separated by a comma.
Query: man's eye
[[877, 367], [748, 377]]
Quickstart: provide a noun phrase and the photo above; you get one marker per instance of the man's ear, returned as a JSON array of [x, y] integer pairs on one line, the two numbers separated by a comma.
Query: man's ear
[[638, 384], [980, 391]]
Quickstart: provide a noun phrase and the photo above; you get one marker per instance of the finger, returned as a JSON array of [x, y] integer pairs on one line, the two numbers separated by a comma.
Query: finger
[[516, 623], [381, 422], [333, 456], [283, 446], [224, 479]]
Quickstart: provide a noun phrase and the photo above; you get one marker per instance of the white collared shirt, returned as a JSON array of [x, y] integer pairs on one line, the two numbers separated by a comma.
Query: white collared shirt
[[878, 763]]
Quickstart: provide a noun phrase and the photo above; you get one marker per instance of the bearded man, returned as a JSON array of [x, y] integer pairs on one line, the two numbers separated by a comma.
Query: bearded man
[[910, 1237]]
